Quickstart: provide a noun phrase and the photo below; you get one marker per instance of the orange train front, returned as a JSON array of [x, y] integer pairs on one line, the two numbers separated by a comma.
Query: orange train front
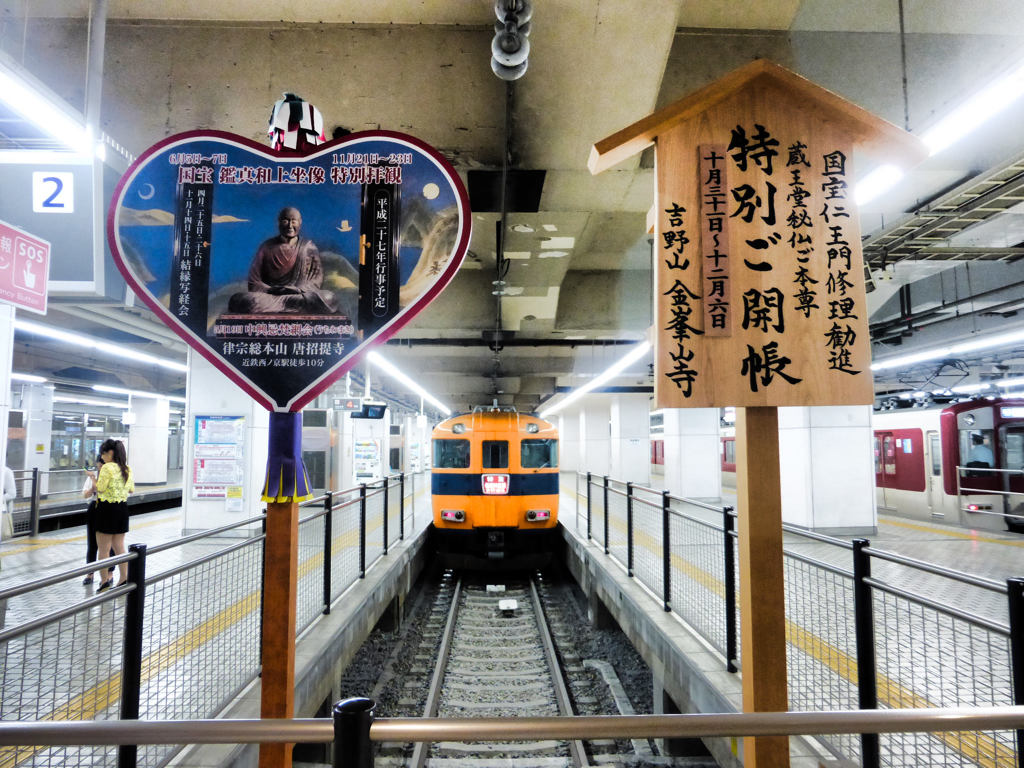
[[494, 487]]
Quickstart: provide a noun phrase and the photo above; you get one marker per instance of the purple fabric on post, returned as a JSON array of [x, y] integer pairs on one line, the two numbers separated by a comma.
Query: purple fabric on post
[[286, 480]]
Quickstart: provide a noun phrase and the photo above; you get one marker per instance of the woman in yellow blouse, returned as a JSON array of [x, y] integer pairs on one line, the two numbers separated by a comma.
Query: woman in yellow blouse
[[113, 484]]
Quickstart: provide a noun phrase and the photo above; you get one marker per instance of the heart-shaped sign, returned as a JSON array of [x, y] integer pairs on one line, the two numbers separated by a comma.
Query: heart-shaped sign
[[282, 270]]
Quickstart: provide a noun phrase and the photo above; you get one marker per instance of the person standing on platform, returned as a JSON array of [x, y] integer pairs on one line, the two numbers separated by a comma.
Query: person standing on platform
[[113, 484], [89, 492], [7, 511]]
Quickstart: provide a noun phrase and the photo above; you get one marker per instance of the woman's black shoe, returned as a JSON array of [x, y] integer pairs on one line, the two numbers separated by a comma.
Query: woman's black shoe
[[105, 586], [87, 580]]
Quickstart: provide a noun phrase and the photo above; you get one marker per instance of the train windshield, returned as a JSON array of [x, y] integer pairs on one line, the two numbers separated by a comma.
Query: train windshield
[[451, 454], [495, 454], [539, 454]]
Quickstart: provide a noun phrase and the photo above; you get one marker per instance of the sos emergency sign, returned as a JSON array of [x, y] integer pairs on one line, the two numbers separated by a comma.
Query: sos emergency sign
[[24, 268]]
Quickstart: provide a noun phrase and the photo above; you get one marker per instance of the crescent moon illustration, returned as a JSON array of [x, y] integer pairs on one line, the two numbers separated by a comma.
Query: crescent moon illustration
[[147, 191]]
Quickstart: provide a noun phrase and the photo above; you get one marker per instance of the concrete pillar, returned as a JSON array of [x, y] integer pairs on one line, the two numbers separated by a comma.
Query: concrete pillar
[[37, 401], [147, 440], [569, 441], [827, 469], [595, 456], [422, 434], [692, 449], [631, 438], [210, 393], [343, 471]]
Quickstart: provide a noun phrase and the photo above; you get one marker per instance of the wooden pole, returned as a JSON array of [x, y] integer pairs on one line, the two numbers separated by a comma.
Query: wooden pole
[[762, 602], [277, 692]]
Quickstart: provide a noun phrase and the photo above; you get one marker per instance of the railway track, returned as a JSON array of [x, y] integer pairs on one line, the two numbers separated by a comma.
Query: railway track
[[497, 659]]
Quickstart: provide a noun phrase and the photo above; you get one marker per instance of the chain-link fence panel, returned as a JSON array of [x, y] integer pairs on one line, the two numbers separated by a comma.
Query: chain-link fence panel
[[597, 509], [618, 527], [201, 638], [67, 669], [648, 549], [344, 544], [821, 662], [374, 525], [394, 511], [930, 657], [698, 576], [309, 597]]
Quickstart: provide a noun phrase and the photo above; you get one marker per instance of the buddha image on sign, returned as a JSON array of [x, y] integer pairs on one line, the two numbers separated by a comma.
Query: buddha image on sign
[[286, 275]]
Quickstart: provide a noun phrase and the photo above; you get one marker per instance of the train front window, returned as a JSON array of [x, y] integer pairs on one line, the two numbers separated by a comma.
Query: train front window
[[976, 448], [539, 454], [451, 454], [495, 454]]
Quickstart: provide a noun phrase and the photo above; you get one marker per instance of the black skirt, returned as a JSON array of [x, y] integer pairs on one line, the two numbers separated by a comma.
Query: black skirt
[[111, 517]]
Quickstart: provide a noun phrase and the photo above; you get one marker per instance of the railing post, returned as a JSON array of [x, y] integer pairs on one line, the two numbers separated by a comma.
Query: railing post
[[328, 548], [362, 530], [352, 721], [864, 627], [728, 526], [401, 506], [629, 529], [34, 504], [1015, 592], [666, 550], [131, 654], [386, 515], [605, 491], [588, 506]]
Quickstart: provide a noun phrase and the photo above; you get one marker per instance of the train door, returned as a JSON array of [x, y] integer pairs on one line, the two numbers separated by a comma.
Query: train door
[[885, 465], [933, 470], [1011, 460]]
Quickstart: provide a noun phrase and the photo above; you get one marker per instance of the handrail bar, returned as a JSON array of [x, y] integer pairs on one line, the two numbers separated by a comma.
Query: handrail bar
[[57, 578], [798, 531], [205, 559], [992, 469], [63, 613], [955, 613], [938, 570], [413, 729], [202, 535]]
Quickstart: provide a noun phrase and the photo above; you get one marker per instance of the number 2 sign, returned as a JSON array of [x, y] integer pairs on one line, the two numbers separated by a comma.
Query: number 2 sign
[[53, 192]]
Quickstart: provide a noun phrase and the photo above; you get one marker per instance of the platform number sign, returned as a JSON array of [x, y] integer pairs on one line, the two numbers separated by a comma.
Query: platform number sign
[[53, 192]]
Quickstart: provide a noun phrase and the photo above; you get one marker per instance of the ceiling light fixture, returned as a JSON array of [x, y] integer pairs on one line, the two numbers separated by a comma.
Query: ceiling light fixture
[[26, 100], [114, 350], [614, 370], [29, 377], [136, 393], [970, 115], [376, 359], [88, 401], [951, 350]]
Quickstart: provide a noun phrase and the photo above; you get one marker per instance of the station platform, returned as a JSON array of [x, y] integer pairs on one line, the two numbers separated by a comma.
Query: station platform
[[940, 641]]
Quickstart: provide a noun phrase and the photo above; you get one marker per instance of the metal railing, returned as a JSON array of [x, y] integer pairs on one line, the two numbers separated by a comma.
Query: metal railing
[[181, 638], [353, 728], [1012, 502], [861, 630]]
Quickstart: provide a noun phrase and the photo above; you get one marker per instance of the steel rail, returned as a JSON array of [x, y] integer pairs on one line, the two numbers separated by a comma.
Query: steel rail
[[409, 729], [419, 754], [576, 750]]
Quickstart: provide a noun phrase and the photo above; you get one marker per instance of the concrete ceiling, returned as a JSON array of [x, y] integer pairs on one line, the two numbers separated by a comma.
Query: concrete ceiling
[[595, 67]]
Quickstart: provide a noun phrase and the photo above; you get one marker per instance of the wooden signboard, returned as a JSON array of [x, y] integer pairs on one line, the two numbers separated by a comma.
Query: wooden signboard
[[759, 300]]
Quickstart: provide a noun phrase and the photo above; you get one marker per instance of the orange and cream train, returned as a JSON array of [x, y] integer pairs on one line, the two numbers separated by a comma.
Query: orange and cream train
[[494, 487]]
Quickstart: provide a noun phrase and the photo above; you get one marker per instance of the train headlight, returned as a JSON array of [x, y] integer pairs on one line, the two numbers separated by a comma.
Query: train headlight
[[533, 428], [453, 515], [458, 429], [538, 515]]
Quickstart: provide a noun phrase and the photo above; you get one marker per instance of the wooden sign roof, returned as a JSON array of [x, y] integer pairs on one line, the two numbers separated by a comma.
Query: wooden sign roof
[[883, 139]]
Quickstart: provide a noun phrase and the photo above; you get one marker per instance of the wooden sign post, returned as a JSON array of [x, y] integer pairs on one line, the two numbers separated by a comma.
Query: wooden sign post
[[277, 690], [759, 284]]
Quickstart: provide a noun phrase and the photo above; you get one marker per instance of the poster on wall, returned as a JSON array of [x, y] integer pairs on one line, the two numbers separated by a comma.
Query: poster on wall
[[283, 270], [217, 456]]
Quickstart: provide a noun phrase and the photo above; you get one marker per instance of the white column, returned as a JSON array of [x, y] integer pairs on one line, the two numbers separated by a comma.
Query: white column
[[344, 471], [693, 468], [147, 440], [6, 357], [423, 435], [37, 400], [631, 438], [594, 435], [826, 468], [569, 441], [210, 393]]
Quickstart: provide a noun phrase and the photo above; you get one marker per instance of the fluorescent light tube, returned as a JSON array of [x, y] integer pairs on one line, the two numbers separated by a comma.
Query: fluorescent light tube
[[985, 342], [376, 359], [614, 370], [89, 343]]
